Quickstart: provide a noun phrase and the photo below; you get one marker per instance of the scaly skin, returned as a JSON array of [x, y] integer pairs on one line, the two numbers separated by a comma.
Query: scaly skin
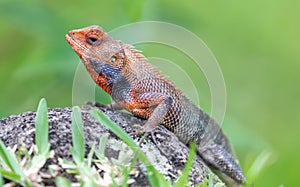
[[125, 74]]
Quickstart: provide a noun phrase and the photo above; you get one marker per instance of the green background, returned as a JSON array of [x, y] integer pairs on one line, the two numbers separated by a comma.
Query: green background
[[255, 42]]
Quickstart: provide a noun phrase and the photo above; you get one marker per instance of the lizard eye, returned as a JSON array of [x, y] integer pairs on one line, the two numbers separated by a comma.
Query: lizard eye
[[113, 59], [92, 40]]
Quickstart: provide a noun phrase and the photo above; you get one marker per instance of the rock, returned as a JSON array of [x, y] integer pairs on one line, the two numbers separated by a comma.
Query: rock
[[168, 155]]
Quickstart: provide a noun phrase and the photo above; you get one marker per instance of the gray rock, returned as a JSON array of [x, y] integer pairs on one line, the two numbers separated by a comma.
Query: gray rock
[[168, 155]]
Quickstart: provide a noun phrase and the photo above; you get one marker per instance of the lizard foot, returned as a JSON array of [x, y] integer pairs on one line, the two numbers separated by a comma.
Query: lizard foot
[[140, 130]]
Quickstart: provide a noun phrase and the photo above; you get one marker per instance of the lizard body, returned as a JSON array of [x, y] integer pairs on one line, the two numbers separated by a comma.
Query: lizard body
[[124, 73]]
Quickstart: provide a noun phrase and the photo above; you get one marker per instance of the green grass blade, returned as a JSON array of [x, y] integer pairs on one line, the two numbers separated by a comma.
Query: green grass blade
[[90, 155], [262, 161], [10, 160], [77, 136], [1, 179], [155, 178], [210, 180], [11, 176], [61, 181], [41, 126], [102, 144], [183, 179]]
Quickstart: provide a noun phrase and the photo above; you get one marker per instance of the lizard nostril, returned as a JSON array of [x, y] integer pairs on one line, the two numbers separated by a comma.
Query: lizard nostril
[[72, 33]]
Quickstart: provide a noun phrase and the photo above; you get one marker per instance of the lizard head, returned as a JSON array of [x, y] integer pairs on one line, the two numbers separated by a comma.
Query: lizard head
[[102, 55], [94, 43]]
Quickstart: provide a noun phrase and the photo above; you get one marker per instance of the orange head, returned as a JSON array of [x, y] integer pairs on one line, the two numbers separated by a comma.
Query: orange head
[[102, 55]]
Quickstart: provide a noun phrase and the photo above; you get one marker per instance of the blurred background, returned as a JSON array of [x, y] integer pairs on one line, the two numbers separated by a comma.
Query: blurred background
[[255, 42]]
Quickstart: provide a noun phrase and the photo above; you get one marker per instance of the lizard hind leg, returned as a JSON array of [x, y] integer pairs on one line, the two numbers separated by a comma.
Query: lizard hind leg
[[162, 105], [220, 159]]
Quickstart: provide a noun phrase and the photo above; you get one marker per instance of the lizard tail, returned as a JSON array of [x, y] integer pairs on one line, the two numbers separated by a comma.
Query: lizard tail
[[224, 162]]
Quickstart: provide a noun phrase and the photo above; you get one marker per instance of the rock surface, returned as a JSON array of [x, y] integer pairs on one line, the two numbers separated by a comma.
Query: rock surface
[[168, 156]]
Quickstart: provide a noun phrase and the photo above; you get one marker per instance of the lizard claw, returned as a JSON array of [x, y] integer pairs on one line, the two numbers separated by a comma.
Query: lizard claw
[[146, 135], [158, 131], [140, 130]]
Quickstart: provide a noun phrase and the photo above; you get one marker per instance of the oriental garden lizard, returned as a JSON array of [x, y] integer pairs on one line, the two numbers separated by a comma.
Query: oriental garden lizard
[[124, 73]]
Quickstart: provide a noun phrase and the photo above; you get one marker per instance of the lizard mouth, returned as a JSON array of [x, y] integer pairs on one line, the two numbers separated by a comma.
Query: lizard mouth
[[75, 44], [69, 40]]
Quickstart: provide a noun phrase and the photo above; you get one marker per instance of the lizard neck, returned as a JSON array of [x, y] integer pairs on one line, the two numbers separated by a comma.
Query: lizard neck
[[103, 74], [99, 80]]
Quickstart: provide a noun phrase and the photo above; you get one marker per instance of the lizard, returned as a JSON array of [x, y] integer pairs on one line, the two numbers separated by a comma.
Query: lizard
[[134, 85]]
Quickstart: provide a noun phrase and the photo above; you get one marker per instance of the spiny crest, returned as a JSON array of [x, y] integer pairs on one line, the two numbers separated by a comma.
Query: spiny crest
[[135, 56]]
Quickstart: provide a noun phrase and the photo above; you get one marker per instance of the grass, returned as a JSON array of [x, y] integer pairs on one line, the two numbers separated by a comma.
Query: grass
[[259, 165], [77, 136], [20, 170], [41, 127], [18, 167]]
